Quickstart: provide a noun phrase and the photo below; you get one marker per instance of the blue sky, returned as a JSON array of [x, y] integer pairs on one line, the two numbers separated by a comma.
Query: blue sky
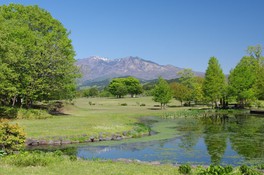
[[183, 33]]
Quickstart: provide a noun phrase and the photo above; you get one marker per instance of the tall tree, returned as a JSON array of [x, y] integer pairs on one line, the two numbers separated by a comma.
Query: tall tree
[[256, 52], [36, 50], [162, 93], [214, 81], [242, 79]]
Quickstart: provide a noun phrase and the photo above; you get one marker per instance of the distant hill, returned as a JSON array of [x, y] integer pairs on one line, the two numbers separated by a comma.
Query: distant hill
[[100, 70]]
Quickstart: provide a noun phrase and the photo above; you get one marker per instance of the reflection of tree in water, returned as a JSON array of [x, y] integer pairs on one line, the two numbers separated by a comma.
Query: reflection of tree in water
[[191, 130], [247, 138]]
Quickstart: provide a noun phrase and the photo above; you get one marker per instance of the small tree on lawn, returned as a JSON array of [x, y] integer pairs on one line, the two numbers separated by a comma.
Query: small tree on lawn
[[162, 93]]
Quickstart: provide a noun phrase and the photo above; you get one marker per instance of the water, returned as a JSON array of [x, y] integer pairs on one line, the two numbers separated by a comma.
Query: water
[[221, 140]]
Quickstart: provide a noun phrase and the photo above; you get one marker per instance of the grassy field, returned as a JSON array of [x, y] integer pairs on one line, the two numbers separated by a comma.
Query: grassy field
[[104, 115]]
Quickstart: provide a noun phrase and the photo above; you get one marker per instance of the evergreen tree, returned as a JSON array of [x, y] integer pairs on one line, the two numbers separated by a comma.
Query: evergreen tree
[[214, 82]]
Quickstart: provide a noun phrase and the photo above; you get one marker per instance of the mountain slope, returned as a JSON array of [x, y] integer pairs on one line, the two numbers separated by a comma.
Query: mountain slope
[[97, 69]]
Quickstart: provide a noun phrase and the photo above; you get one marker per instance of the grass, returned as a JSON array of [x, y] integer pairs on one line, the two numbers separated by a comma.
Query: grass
[[106, 115]]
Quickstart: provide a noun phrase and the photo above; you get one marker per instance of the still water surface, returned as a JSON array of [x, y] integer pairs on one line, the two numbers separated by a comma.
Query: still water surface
[[222, 140]]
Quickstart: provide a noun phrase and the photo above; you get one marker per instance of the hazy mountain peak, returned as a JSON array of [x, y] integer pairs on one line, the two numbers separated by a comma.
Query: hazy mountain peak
[[100, 68]]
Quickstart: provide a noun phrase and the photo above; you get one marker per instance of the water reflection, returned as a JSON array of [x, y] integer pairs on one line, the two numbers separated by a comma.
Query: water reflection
[[215, 139]]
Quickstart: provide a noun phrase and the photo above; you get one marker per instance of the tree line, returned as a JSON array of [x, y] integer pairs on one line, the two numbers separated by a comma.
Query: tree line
[[244, 84]]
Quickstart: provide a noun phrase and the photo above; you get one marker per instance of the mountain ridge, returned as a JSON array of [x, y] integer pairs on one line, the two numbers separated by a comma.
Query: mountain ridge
[[97, 68]]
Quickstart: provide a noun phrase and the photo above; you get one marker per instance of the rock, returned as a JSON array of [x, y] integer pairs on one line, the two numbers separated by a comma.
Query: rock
[[92, 139], [31, 142], [57, 142], [43, 142], [75, 141], [65, 142], [119, 138]]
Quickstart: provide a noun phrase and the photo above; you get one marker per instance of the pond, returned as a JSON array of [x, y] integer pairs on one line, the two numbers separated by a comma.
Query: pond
[[233, 140]]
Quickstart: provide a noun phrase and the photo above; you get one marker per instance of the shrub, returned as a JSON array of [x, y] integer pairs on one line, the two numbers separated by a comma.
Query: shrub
[[216, 169], [33, 114], [142, 104], [12, 137], [8, 112], [36, 158], [185, 169], [245, 170], [123, 104]]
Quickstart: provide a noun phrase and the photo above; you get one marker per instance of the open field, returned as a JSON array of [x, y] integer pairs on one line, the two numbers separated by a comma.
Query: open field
[[104, 115]]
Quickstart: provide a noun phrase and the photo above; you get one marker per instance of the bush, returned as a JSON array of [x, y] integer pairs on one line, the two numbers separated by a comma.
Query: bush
[[245, 170], [12, 137], [36, 158], [185, 169], [123, 104], [8, 112], [142, 104], [33, 114], [216, 169]]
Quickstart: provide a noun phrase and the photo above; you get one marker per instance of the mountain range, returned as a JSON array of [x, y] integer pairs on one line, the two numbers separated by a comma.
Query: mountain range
[[96, 69]]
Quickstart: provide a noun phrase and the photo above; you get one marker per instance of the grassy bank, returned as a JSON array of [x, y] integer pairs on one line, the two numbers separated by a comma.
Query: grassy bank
[[54, 163]]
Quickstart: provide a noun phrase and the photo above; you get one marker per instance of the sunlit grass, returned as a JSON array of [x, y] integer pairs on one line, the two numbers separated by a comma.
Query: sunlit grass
[[106, 115]]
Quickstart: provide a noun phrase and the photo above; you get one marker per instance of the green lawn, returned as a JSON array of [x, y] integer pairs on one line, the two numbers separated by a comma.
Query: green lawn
[[106, 115]]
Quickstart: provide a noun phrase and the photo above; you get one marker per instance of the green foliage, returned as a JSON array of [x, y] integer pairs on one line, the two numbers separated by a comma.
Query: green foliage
[[184, 169], [12, 137], [242, 79], [181, 92], [186, 78], [117, 87], [214, 82], [91, 92], [36, 158], [37, 57], [8, 112], [216, 170], [33, 114], [123, 86], [162, 92], [123, 104], [245, 170]]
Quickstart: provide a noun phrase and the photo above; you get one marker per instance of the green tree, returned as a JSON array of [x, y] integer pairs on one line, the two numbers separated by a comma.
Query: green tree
[[242, 79], [214, 82], [162, 93], [91, 92], [198, 94], [186, 78], [117, 87], [256, 52], [133, 86], [36, 51], [181, 92]]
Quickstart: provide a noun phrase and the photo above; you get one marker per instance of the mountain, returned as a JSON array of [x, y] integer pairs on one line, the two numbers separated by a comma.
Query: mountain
[[95, 69]]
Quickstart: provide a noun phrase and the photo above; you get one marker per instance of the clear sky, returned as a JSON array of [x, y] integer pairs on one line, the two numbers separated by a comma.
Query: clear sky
[[183, 33]]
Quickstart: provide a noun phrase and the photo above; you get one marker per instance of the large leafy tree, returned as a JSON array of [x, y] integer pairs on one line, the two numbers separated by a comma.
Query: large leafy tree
[[133, 86], [36, 56], [181, 92], [117, 87], [242, 79], [162, 93], [214, 82]]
